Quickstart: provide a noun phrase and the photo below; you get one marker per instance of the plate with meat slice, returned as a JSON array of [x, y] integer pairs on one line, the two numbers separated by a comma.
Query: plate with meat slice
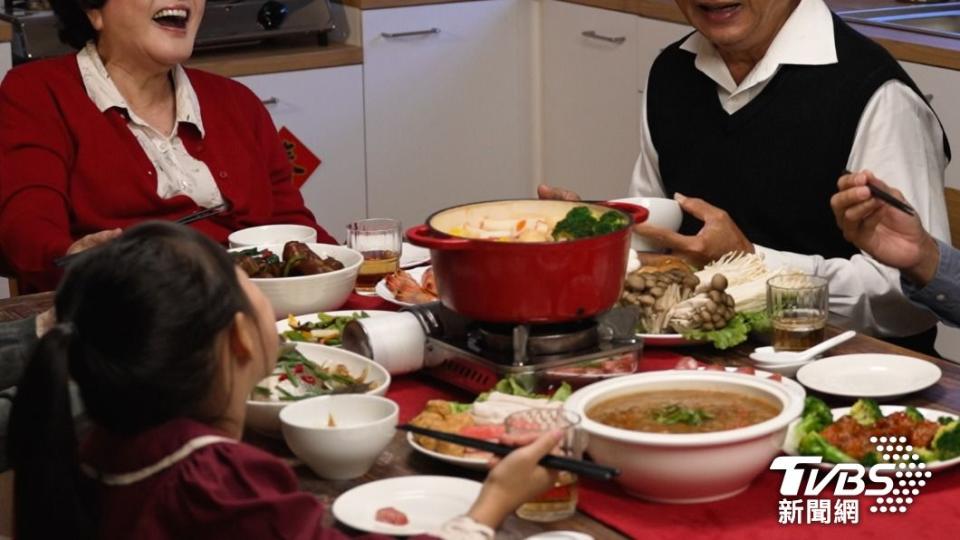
[[409, 287], [406, 505], [896, 422]]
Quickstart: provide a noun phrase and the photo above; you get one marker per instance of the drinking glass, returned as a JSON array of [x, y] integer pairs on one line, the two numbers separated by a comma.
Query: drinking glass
[[560, 501], [798, 308], [380, 242]]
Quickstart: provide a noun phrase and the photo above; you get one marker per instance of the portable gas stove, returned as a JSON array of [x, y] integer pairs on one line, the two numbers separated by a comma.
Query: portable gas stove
[[475, 355], [225, 22]]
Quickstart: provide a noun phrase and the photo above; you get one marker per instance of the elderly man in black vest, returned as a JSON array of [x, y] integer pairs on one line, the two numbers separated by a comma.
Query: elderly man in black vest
[[750, 121]]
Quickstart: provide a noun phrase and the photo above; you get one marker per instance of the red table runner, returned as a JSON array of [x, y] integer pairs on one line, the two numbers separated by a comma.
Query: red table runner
[[752, 514]]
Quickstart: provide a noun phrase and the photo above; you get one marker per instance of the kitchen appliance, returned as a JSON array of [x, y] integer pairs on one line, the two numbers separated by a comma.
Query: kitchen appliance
[[225, 22], [474, 355], [526, 282]]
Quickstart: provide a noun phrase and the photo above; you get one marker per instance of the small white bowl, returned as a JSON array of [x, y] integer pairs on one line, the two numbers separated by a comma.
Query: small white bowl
[[688, 467], [664, 213], [264, 416], [301, 295], [271, 234], [365, 425]]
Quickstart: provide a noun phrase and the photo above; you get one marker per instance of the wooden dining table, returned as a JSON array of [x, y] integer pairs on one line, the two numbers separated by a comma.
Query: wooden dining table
[[399, 459]]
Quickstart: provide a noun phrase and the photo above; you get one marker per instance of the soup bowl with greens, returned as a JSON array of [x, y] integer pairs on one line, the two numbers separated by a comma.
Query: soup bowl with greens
[[687, 436]]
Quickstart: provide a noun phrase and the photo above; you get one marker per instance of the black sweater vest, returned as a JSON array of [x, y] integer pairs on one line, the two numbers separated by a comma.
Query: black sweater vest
[[774, 164]]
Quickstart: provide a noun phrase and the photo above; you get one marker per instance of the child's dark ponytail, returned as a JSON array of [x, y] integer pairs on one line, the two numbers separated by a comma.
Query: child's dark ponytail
[[43, 446]]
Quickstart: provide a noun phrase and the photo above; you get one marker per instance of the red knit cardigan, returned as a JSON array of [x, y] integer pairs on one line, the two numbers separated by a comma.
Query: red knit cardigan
[[67, 169]]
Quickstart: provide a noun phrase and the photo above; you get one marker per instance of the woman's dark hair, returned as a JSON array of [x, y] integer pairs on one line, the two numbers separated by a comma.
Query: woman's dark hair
[[75, 28], [138, 326]]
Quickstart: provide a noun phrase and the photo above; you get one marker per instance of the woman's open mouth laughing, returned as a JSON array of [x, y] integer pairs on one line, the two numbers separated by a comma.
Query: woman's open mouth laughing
[[172, 18]]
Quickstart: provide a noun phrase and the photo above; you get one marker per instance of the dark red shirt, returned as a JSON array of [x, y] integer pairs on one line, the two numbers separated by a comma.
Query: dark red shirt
[[227, 490], [67, 169]]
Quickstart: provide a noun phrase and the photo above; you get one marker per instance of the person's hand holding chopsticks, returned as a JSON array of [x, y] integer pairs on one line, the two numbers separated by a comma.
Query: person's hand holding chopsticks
[[516, 478], [885, 232]]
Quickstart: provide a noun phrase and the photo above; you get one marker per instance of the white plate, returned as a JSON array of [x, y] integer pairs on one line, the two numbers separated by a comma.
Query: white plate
[[790, 444], [668, 340], [469, 463], [412, 255], [282, 325], [878, 376], [383, 292], [427, 501]]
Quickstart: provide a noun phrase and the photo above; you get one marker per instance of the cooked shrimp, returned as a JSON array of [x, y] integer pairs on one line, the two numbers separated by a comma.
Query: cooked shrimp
[[406, 289], [429, 282]]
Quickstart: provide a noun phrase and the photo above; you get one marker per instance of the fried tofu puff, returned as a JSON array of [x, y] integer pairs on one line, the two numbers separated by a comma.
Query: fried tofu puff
[[439, 415]]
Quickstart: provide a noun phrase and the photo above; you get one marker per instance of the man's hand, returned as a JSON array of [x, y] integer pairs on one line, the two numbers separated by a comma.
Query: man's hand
[[93, 240], [888, 235], [718, 236], [556, 193]]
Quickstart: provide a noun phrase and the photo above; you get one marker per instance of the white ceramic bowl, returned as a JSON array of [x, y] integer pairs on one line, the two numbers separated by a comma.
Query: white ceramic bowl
[[687, 468], [664, 213], [365, 425], [301, 295], [271, 234], [264, 416]]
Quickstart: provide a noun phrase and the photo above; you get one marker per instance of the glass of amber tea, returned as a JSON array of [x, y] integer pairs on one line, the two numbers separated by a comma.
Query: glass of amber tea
[[798, 308], [560, 501], [380, 242]]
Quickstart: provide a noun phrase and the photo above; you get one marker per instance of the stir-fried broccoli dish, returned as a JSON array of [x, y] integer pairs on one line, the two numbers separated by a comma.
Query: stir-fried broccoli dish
[[847, 439]]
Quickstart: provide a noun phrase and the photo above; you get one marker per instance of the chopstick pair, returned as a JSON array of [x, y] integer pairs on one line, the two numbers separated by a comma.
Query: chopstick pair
[[888, 198], [185, 220], [582, 468]]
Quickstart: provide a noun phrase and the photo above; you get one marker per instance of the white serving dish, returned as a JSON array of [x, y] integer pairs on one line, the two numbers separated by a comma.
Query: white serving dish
[[264, 416], [869, 375], [791, 442], [427, 501], [271, 234], [687, 468], [365, 425], [310, 294]]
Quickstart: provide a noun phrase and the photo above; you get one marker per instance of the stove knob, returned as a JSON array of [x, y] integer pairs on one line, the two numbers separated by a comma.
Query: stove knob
[[272, 14]]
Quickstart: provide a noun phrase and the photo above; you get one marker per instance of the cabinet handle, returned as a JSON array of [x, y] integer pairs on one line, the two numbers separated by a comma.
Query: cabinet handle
[[593, 35], [928, 97], [270, 101], [392, 35]]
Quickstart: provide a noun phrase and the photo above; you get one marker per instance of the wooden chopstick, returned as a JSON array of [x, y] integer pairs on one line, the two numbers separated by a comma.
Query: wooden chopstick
[[185, 220], [888, 198], [583, 468]]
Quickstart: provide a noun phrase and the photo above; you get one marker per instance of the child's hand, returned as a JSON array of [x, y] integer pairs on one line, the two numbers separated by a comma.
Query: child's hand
[[516, 478]]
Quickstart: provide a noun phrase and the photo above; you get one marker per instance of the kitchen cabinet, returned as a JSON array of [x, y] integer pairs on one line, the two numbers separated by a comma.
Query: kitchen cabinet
[[448, 96], [591, 73], [940, 86], [323, 108], [594, 67]]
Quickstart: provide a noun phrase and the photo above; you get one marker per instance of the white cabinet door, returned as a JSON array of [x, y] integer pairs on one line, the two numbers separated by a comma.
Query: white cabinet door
[[448, 108], [655, 35], [941, 85], [590, 109], [324, 109]]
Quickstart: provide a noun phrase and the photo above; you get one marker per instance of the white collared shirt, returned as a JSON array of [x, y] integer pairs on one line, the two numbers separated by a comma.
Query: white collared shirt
[[178, 173], [898, 138]]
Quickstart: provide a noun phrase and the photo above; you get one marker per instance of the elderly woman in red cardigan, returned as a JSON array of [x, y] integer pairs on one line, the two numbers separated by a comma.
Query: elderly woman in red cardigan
[[120, 132]]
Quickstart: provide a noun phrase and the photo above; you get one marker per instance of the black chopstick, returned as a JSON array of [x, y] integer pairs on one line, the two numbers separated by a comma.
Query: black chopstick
[[185, 220], [888, 198], [583, 468]]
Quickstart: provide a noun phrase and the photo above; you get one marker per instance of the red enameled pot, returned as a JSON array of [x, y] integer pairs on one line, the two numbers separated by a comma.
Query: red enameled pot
[[516, 282]]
